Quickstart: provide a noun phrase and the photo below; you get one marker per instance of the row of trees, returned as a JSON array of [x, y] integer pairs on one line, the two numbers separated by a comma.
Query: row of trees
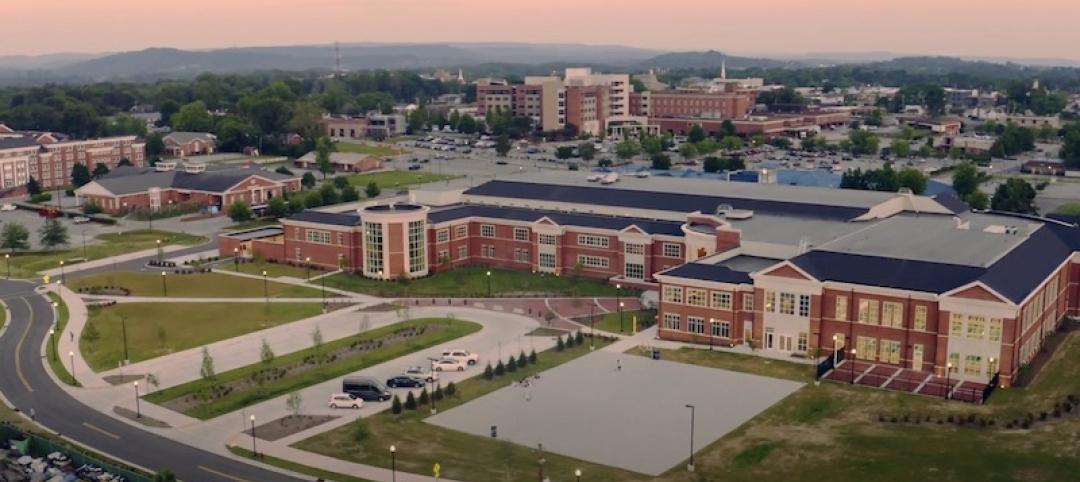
[[885, 179], [15, 237]]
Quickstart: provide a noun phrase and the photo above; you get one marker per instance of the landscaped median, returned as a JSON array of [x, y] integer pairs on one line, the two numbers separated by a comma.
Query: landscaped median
[[462, 456], [55, 361], [238, 388], [194, 285], [474, 281], [29, 264], [156, 329]]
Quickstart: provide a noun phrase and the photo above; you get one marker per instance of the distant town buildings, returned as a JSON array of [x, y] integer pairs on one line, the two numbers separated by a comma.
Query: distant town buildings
[[49, 157], [184, 144]]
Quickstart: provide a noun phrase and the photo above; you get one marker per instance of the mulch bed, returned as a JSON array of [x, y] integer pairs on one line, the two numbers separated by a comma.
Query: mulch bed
[[288, 425]]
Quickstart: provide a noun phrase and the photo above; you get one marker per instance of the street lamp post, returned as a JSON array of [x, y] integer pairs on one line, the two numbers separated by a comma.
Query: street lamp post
[[138, 411], [835, 345], [62, 279], [620, 317], [322, 282], [123, 334], [852, 366], [577, 473], [159, 253], [693, 409], [7, 257], [164, 288], [489, 283], [592, 326], [307, 264], [266, 288], [71, 355], [393, 463], [948, 381], [618, 299], [236, 259], [254, 451]]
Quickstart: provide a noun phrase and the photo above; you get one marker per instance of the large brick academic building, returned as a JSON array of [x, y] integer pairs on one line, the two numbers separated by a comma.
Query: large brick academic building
[[900, 281]]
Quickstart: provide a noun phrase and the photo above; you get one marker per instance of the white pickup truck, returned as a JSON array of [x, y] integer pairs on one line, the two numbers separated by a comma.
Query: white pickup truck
[[463, 355]]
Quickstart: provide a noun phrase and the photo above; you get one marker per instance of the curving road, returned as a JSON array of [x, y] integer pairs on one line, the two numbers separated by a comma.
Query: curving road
[[26, 384]]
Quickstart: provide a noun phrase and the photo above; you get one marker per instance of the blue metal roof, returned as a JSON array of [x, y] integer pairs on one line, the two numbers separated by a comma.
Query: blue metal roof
[[1017, 273], [662, 201], [600, 221], [904, 274], [709, 272]]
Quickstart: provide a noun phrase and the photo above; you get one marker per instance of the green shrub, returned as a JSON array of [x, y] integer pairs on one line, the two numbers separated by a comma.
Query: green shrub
[[395, 406], [410, 402], [488, 372], [532, 357], [511, 365], [451, 389], [360, 431], [500, 369], [522, 361], [423, 400], [559, 346]]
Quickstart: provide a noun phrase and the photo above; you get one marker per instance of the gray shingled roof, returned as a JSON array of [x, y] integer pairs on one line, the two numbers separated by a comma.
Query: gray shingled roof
[[20, 141], [133, 180], [186, 137]]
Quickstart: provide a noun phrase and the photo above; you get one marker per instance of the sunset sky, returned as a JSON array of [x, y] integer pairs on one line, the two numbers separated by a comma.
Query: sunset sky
[[1013, 28]]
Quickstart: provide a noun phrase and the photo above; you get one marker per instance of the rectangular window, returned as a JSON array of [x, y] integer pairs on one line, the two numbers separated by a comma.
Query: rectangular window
[[522, 256], [890, 352], [630, 248], [635, 271], [417, 247], [672, 250], [695, 297], [841, 308], [954, 362], [547, 260], [748, 302], [341, 239], [973, 365], [892, 314], [956, 325], [487, 250], [461, 231], [868, 312], [442, 235], [462, 252], [546, 239], [804, 306], [802, 344], [975, 327], [866, 348], [673, 294], [521, 234], [721, 328], [592, 261], [721, 300], [318, 236], [487, 230], [373, 247], [671, 321], [787, 303], [770, 301], [695, 324], [920, 317], [592, 241], [995, 330]]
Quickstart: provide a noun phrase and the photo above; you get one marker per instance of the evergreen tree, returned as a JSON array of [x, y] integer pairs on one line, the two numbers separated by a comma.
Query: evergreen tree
[[410, 402], [33, 186], [511, 365], [53, 234], [80, 175], [395, 406], [489, 373], [500, 369]]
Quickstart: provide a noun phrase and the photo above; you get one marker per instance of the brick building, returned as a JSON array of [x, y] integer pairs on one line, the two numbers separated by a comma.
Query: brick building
[[48, 157], [899, 281], [182, 144]]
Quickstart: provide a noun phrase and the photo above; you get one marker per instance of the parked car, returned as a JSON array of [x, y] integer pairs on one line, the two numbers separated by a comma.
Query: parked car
[[8, 207], [80, 219], [422, 372], [345, 400], [501, 162], [463, 355], [415, 167], [366, 388], [450, 364], [404, 381]]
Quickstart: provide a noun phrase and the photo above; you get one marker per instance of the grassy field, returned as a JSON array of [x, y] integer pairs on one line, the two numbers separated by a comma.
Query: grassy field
[[273, 270], [198, 285], [473, 282], [1069, 209], [389, 180], [112, 244], [156, 329], [609, 322], [59, 364], [234, 401], [834, 430], [370, 149], [462, 456]]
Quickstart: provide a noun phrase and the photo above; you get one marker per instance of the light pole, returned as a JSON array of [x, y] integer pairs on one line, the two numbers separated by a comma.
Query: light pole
[[123, 333], [159, 254], [948, 381], [84, 242], [322, 283], [835, 346], [164, 288], [577, 473], [254, 452], [489, 283], [236, 259], [393, 463], [266, 288], [7, 257], [71, 355], [618, 299], [690, 466], [852, 366], [592, 326], [138, 411], [620, 317], [52, 340], [307, 263], [62, 280]]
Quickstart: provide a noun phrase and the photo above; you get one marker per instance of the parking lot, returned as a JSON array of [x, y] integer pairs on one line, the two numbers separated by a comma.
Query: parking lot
[[634, 418]]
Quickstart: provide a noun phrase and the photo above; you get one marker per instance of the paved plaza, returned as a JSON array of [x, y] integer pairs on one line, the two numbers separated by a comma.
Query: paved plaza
[[634, 418]]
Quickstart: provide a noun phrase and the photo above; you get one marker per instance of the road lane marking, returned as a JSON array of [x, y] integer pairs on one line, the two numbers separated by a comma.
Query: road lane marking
[[221, 474], [102, 431], [18, 348]]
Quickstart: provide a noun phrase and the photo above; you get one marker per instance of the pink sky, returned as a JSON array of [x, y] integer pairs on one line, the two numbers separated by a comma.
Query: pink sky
[[1014, 28]]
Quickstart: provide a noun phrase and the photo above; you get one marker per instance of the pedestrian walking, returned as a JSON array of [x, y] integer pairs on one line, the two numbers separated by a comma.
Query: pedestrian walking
[[33, 414], [618, 364]]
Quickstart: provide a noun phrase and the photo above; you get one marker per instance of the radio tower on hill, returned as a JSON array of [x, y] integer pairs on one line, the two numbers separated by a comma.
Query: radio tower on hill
[[337, 60]]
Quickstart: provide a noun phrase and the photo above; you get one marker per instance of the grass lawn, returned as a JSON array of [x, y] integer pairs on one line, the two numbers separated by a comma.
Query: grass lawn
[[833, 430], [372, 149], [387, 180], [1069, 209], [342, 366], [196, 285], [273, 270], [295, 467], [609, 322], [29, 264], [462, 456], [473, 282], [736, 362], [156, 329], [57, 362]]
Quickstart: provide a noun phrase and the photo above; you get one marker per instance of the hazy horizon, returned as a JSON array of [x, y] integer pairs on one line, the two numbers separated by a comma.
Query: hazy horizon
[[965, 28]]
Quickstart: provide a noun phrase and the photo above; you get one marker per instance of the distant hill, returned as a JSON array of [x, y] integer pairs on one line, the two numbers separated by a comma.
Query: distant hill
[[712, 59]]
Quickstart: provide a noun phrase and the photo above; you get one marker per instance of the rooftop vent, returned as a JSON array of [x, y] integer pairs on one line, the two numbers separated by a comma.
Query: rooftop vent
[[194, 167], [163, 166]]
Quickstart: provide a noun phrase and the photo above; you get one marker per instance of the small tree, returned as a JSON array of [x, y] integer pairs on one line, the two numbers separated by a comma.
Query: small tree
[[372, 190], [266, 354], [437, 395], [579, 338], [277, 207], [451, 389], [323, 148], [661, 161], [14, 236], [317, 342], [522, 360], [91, 208], [240, 212], [532, 357], [395, 406], [53, 234], [559, 345], [207, 370], [349, 194], [410, 402], [511, 365], [569, 341], [341, 182], [500, 369], [80, 175], [308, 180], [153, 380], [100, 170], [489, 373], [360, 431], [424, 398], [294, 403], [33, 187]]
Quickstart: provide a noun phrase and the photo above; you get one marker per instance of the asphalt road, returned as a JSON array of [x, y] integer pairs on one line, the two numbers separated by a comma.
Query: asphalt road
[[26, 384]]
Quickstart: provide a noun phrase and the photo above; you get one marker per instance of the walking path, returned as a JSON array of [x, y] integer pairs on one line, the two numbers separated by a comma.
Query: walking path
[[103, 262]]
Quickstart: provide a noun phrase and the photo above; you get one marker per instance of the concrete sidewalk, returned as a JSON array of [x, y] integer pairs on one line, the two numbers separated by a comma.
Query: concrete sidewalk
[[170, 299], [300, 282], [67, 343]]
